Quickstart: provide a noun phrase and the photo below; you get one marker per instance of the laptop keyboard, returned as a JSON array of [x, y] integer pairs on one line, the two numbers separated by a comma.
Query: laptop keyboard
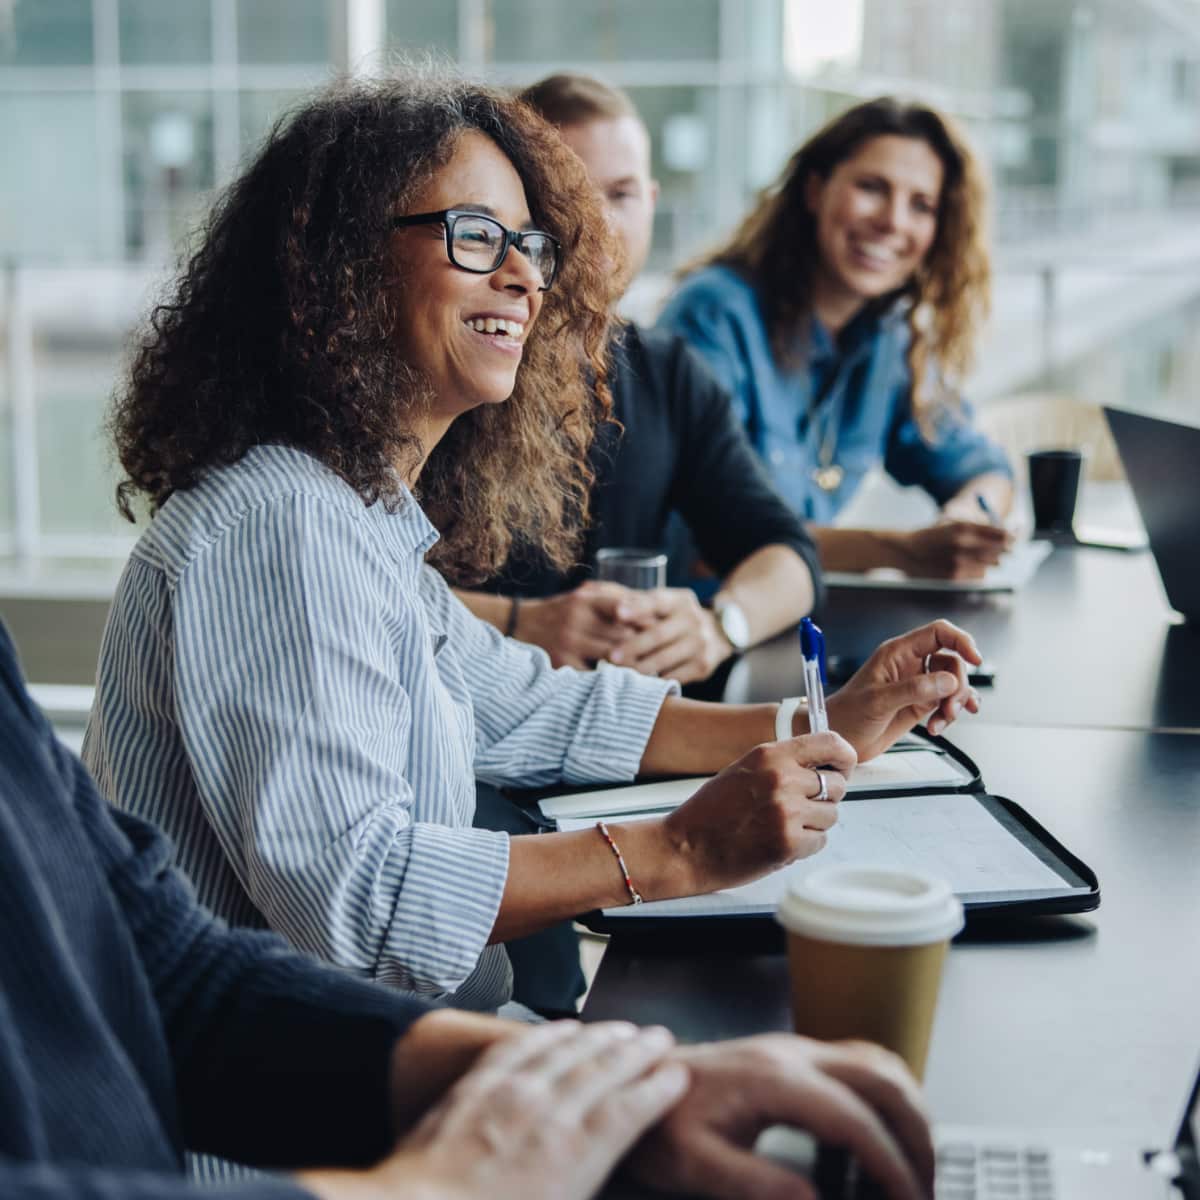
[[993, 1172], [964, 1172]]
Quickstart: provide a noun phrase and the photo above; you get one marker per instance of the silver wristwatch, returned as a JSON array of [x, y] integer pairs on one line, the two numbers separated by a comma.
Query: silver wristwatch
[[733, 623]]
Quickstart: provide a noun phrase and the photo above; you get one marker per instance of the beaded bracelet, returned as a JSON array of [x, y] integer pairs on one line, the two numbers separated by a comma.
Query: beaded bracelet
[[634, 895]]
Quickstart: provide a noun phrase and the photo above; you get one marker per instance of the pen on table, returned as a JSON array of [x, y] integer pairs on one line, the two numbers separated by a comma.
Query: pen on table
[[812, 649]]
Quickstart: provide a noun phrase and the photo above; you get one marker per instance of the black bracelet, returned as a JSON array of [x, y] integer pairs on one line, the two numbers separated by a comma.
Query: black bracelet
[[510, 626]]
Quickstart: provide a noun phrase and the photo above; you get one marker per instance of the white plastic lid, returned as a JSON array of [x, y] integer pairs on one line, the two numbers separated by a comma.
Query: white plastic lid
[[871, 906]]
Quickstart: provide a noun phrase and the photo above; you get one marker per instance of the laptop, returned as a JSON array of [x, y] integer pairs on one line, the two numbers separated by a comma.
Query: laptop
[[981, 1163], [1162, 462]]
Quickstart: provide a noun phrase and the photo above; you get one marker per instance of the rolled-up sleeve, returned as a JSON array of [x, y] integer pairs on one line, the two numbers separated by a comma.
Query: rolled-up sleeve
[[300, 731], [536, 725]]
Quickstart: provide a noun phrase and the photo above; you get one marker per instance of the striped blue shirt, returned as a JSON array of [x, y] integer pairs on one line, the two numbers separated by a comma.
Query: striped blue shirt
[[303, 704]]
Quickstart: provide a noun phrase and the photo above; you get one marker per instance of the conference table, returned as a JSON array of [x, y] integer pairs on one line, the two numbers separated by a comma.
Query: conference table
[[1093, 726]]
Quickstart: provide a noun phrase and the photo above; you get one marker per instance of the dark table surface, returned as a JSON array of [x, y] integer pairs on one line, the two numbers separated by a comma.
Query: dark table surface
[[1088, 643], [1054, 1023]]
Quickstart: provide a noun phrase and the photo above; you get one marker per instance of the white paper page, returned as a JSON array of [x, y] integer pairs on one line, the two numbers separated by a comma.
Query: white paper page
[[904, 769], [951, 836], [611, 802], [1011, 574]]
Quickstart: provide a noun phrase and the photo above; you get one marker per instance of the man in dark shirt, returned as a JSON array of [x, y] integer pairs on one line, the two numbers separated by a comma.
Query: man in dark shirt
[[133, 1025], [681, 450]]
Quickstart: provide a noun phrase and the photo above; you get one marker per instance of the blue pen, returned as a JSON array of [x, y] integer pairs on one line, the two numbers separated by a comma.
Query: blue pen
[[812, 648], [988, 510]]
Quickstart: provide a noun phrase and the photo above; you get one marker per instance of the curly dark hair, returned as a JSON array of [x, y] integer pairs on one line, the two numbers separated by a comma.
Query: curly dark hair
[[281, 328]]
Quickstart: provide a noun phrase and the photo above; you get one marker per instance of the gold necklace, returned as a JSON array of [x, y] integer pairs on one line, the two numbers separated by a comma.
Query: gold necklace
[[828, 476]]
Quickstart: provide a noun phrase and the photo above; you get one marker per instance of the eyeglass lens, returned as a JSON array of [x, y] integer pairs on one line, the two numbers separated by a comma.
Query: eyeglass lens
[[478, 244]]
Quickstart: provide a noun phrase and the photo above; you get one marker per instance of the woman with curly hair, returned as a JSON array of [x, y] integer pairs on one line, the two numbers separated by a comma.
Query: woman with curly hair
[[383, 355], [842, 315]]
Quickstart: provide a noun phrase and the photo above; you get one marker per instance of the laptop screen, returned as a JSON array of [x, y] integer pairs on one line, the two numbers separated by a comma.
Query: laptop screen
[[1160, 461], [1187, 1145]]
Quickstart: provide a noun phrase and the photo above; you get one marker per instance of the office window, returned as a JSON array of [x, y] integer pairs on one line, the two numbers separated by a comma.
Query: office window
[[46, 33], [413, 27], [683, 128], [259, 110], [48, 172], [620, 31], [165, 31], [284, 31], [168, 167], [7, 495], [73, 377]]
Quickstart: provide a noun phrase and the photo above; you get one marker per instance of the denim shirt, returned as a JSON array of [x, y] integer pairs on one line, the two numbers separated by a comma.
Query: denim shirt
[[862, 387]]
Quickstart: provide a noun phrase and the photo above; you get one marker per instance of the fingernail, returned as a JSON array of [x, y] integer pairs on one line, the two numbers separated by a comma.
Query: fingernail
[[615, 656], [946, 683]]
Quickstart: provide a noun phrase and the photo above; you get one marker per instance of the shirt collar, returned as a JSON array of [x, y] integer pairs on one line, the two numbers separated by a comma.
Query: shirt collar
[[862, 331], [411, 532]]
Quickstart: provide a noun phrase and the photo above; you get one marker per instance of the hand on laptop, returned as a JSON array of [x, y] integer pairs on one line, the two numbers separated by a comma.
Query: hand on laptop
[[849, 1094], [893, 691], [544, 1114]]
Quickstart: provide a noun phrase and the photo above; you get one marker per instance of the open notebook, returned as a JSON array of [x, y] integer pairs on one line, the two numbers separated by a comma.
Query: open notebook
[[905, 768], [920, 807]]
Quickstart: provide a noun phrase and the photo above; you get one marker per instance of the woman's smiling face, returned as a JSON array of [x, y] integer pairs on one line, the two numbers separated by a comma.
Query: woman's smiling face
[[876, 216], [446, 313]]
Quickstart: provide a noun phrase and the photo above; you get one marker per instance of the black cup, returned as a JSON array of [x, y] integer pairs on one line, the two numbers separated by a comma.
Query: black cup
[[1053, 485]]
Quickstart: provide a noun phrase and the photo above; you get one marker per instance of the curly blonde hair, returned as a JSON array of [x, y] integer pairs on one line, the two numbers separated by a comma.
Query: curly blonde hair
[[281, 328], [776, 247]]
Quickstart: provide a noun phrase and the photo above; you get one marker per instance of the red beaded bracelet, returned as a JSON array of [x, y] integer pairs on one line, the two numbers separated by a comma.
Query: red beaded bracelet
[[634, 895]]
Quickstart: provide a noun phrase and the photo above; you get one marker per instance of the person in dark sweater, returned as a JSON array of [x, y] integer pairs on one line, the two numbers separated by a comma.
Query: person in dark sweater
[[678, 449], [133, 1024]]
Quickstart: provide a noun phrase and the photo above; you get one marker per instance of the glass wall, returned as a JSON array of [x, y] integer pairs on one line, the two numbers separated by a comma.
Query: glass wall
[[8, 483], [121, 117], [603, 31]]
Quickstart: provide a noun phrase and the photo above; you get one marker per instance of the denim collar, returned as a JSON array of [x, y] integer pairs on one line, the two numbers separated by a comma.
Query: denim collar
[[859, 336]]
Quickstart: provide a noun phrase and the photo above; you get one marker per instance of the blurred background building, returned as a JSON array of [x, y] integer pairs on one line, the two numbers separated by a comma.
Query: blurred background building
[[118, 119]]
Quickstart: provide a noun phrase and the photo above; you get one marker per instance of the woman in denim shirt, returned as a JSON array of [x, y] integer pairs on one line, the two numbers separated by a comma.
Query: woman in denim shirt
[[841, 315]]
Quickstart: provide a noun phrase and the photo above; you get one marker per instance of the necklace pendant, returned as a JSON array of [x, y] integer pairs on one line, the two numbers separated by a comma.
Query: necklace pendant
[[828, 478]]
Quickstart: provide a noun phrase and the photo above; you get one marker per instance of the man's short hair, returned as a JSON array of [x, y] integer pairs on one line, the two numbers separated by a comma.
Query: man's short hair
[[567, 99]]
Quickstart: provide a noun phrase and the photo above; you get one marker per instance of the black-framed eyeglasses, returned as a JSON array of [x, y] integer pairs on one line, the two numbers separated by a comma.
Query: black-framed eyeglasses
[[479, 244]]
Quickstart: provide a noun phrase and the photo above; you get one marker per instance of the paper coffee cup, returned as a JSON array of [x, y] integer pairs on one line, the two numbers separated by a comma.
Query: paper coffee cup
[[865, 952]]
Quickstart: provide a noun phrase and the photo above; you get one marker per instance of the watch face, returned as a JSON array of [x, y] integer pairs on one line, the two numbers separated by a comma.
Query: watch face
[[734, 625]]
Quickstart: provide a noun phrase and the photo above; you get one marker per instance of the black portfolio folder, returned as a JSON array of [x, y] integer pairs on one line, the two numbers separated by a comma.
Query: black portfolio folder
[[999, 860]]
